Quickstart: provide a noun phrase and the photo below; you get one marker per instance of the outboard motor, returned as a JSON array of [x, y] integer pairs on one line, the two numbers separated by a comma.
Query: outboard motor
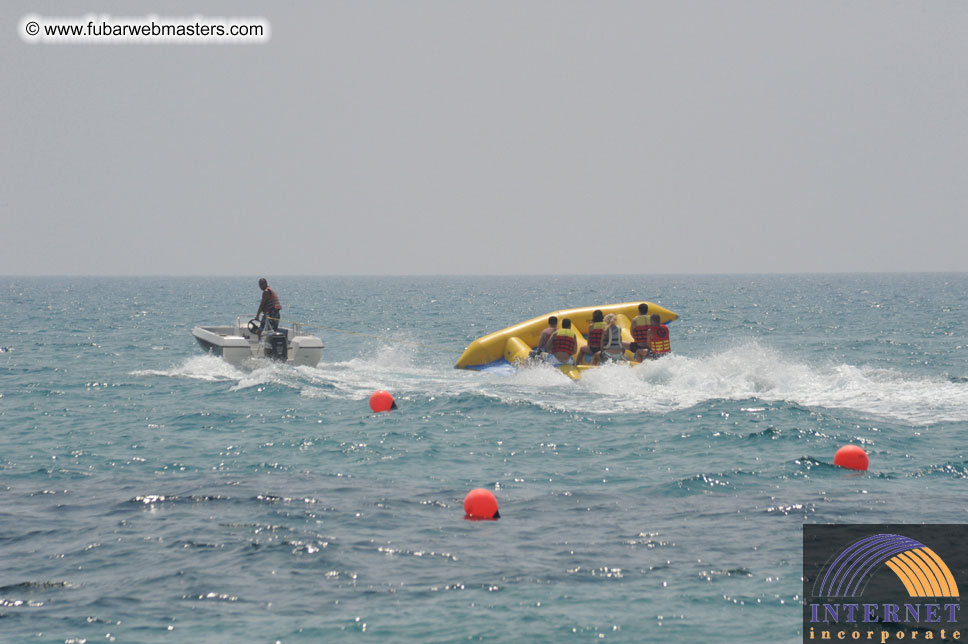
[[275, 346]]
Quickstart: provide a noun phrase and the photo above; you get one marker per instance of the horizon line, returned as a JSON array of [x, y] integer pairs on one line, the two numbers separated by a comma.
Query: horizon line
[[494, 275]]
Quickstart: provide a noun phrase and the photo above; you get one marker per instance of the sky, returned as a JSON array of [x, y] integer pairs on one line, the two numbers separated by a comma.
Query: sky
[[485, 138]]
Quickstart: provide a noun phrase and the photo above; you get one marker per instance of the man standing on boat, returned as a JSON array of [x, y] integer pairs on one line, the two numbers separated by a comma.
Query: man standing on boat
[[270, 308]]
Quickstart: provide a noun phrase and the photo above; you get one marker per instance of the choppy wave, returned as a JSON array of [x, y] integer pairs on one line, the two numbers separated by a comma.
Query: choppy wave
[[756, 372], [207, 368], [678, 382], [260, 494]]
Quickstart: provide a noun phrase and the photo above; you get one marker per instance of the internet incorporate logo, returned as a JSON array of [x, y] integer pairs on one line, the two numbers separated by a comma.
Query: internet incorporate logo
[[922, 572], [880, 583]]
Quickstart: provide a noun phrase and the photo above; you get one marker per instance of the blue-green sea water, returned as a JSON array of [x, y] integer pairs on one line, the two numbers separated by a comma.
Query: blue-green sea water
[[151, 493]]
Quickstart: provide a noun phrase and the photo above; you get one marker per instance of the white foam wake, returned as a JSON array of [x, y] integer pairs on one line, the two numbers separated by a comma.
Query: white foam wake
[[207, 368], [673, 383], [755, 372]]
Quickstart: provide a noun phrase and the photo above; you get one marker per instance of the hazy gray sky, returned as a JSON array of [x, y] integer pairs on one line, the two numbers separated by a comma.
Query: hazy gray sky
[[492, 137]]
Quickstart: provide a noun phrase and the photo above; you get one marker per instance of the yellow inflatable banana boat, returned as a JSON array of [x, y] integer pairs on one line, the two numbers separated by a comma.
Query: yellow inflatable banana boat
[[511, 347]]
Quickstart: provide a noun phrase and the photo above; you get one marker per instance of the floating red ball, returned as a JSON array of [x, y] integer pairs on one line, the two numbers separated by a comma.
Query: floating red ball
[[852, 457], [480, 504], [382, 401]]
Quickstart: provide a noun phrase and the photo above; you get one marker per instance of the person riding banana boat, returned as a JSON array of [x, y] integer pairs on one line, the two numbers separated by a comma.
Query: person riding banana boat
[[562, 345], [613, 348], [654, 338], [596, 329], [586, 336]]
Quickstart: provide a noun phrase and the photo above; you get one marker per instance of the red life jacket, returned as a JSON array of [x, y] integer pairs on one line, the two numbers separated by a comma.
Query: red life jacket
[[659, 343], [640, 329], [564, 341], [595, 331]]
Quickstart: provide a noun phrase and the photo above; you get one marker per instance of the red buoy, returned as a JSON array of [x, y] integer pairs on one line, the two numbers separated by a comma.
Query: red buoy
[[480, 504], [382, 401], [852, 457]]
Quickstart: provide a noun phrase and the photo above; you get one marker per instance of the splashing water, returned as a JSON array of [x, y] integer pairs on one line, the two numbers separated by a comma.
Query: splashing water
[[673, 383]]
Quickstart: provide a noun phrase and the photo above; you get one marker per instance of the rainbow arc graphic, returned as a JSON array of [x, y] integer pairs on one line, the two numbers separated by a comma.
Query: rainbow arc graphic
[[922, 572]]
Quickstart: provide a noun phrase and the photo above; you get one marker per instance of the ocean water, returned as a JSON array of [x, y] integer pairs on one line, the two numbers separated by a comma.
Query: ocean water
[[150, 493]]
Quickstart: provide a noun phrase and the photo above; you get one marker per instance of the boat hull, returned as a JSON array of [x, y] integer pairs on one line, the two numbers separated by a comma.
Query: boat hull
[[237, 345]]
